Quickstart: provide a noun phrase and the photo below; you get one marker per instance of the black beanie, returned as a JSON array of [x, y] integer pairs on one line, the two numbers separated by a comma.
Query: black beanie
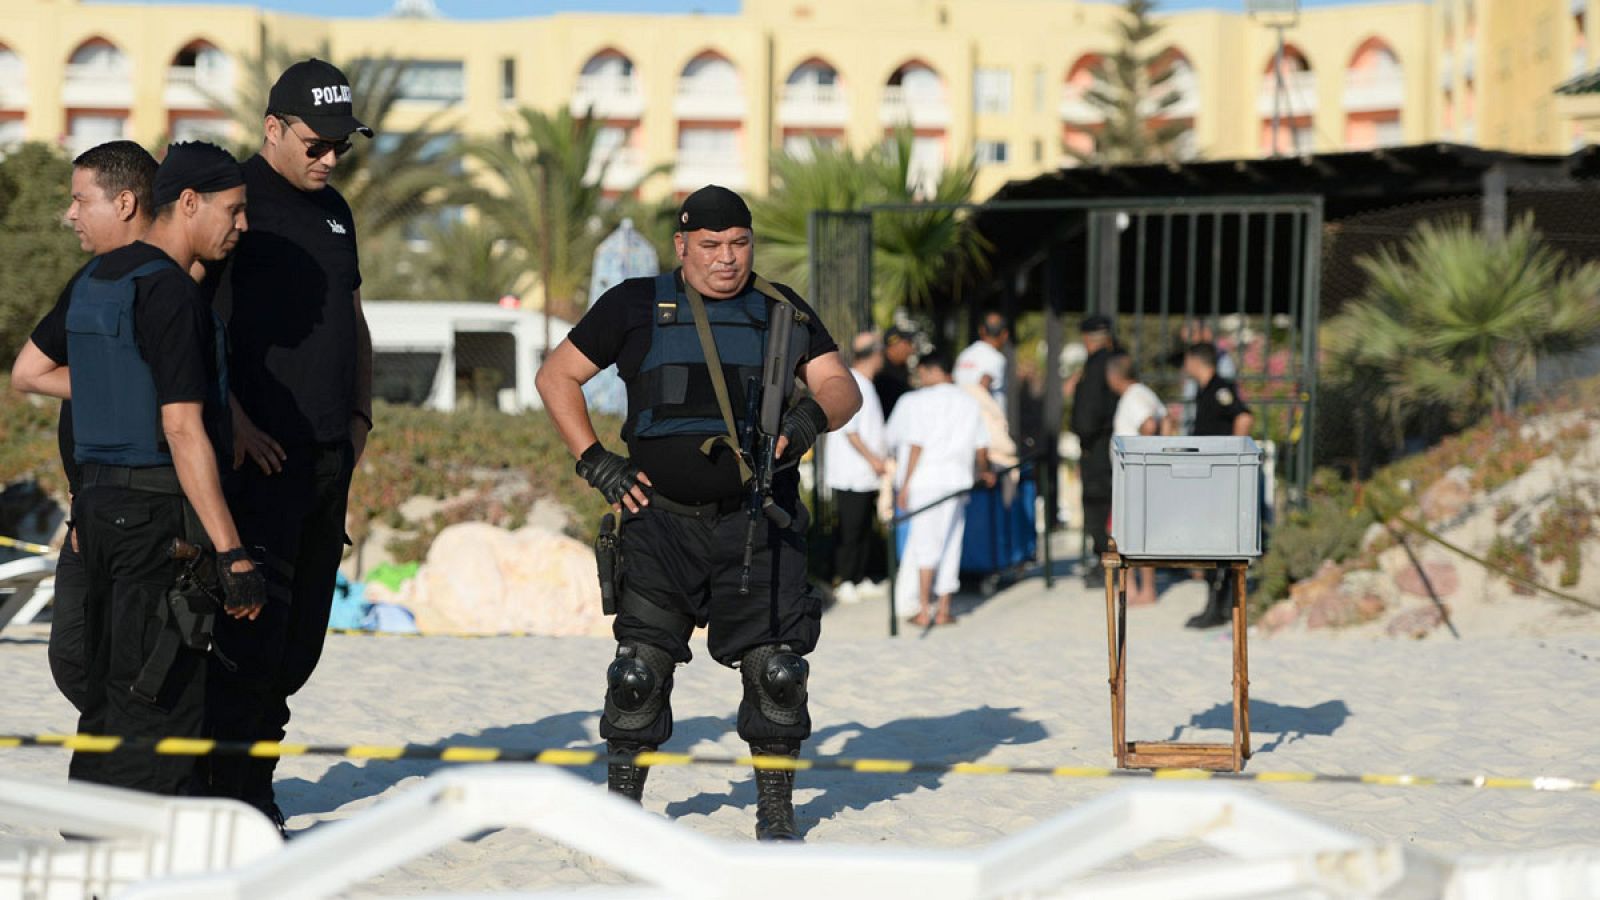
[[714, 208], [204, 167]]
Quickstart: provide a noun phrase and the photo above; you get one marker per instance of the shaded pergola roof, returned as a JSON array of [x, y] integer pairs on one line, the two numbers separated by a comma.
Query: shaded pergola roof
[[1580, 84]]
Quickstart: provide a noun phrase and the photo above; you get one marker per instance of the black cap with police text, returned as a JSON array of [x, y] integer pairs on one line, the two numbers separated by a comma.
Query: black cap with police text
[[317, 93], [205, 168], [714, 208]]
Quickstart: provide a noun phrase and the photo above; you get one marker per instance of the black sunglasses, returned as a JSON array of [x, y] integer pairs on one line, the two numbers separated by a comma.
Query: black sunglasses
[[318, 148]]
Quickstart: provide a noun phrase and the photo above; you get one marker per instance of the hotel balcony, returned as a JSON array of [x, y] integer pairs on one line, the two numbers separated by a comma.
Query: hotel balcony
[[1302, 96], [917, 110], [1447, 72], [608, 97], [1469, 60], [97, 87], [814, 106], [624, 166], [1077, 110], [709, 102], [190, 88], [699, 171], [13, 92], [1374, 91]]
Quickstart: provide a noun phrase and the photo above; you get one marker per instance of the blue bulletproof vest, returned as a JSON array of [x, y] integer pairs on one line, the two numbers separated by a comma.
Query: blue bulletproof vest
[[116, 420], [672, 394]]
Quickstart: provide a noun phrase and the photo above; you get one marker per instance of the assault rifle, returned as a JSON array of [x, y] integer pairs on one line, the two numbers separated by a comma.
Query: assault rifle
[[764, 407]]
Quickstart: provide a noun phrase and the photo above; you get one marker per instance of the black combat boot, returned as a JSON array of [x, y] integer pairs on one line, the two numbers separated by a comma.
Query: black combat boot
[[1219, 606], [624, 779], [775, 795]]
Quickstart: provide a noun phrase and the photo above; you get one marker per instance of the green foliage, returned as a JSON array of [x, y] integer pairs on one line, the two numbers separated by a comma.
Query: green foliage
[[1329, 528], [28, 450], [38, 254], [913, 250], [501, 464], [1559, 537], [1458, 321], [460, 261], [1516, 557], [1132, 92]]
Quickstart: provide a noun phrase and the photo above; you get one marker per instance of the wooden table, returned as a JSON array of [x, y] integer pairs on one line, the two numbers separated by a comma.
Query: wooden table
[[1172, 754]]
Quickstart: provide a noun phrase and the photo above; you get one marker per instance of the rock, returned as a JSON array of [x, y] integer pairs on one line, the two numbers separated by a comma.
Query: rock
[[1375, 533], [1334, 609], [1448, 497], [1441, 576], [1416, 622], [1281, 615], [480, 579], [1307, 593]]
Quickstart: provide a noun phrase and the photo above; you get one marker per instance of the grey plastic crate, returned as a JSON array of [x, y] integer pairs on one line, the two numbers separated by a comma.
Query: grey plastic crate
[[1186, 497]]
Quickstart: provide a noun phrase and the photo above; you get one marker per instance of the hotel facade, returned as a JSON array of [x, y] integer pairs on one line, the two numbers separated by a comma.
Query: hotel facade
[[710, 97]]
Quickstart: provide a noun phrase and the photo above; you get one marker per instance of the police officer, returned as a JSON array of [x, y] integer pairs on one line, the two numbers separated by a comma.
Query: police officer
[[111, 207], [301, 370], [147, 377], [1094, 409], [1219, 411], [681, 494]]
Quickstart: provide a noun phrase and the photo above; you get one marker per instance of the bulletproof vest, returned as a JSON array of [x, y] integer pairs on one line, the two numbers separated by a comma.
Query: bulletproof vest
[[115, 417], [672, 394]]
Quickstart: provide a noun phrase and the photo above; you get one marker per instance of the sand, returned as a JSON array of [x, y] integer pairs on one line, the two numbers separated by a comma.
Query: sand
[[1021, 679]]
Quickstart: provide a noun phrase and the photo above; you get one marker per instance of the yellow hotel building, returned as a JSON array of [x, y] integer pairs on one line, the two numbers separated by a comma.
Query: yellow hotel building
[[712, 96]]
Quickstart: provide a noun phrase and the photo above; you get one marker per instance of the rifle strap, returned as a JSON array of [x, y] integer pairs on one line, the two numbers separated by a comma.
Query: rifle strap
[[719, 384]]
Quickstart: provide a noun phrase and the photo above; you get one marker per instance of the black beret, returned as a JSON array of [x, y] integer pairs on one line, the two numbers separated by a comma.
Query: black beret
[[713, 208]]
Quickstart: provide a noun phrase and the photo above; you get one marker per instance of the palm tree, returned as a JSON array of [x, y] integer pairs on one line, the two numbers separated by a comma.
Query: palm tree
[[1460, 321], [913, 251], [546, 198], [1132, 91]]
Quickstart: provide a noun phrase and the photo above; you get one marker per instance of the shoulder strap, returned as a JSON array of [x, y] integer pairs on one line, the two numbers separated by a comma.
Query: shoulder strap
[[719, 384]]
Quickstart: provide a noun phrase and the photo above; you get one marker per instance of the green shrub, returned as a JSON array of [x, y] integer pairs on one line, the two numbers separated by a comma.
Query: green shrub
[[1328, 528]]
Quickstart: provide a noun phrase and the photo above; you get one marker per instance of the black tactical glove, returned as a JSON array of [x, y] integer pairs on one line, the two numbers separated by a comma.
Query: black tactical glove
[[608, 473], [240, 590], [801, 425]]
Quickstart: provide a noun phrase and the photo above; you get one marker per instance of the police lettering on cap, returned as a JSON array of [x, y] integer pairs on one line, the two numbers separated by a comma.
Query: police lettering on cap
[[317, 93], [713, 208], [205, 168]]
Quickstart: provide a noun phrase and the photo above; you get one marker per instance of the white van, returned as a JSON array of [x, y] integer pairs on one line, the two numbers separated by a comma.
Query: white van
[[457, 355]]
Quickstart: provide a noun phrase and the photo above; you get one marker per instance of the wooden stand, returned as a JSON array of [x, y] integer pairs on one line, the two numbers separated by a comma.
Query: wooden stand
[[1170, 754]]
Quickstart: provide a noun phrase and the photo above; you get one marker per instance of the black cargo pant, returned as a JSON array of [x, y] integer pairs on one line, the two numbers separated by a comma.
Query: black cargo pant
[[123, 535], [69, 663], [680, 571], [853, 540], [297, 517]]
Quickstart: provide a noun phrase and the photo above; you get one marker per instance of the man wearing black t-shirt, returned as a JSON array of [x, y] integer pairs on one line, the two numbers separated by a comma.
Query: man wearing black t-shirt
[[144, 367], [1219, 411], [682, 495], [300, 360], [111, 207]]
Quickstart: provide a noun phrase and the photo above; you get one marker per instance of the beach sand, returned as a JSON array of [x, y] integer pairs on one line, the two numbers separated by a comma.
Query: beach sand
[[1021, 680]]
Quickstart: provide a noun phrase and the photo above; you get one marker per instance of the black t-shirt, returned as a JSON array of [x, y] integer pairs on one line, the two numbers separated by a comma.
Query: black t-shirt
[[617, 330], [287, 296], [891, 383], [172, 325], [1217, 405]]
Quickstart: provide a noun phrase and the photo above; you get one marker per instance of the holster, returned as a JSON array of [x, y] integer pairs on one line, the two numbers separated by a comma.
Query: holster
[[607, 562], [188, 617]]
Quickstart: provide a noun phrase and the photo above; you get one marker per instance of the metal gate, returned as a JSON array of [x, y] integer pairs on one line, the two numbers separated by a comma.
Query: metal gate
[[1244, 270]]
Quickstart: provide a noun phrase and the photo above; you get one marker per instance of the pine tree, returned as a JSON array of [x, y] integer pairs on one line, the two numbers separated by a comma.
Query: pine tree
[[1132, 90]]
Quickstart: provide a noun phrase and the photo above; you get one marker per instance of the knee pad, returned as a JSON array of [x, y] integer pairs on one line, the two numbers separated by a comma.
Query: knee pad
[[777, 676], [637, 682]]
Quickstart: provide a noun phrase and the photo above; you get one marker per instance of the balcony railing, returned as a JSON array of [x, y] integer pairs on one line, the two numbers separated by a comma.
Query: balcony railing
[[97, 86], [608, 97], [624, 166], [695, 172], [1370, 91], [1469, 59], [1302, 98], [13, 91], [192, 88], [811, 104], [715, 101], [916, 109], [1447, 72], [1075, 108]]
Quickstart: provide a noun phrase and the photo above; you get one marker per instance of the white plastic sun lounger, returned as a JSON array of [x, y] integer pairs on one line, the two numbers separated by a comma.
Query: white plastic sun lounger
[[30, 582]]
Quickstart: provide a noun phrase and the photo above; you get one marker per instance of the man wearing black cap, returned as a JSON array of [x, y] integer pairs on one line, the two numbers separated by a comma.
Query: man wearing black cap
[[893, 380], [301, 366], [1094, 408], [681, 490], [147, 378]]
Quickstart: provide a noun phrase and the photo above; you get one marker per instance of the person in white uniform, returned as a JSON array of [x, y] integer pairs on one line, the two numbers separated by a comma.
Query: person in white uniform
[[854, 460], [1139, 412], [984, 362], [941, 448]]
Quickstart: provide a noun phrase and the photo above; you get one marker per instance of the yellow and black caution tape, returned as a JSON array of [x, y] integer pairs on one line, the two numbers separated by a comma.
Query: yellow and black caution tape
[[462, 635], [25, 546], [567, 757]]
